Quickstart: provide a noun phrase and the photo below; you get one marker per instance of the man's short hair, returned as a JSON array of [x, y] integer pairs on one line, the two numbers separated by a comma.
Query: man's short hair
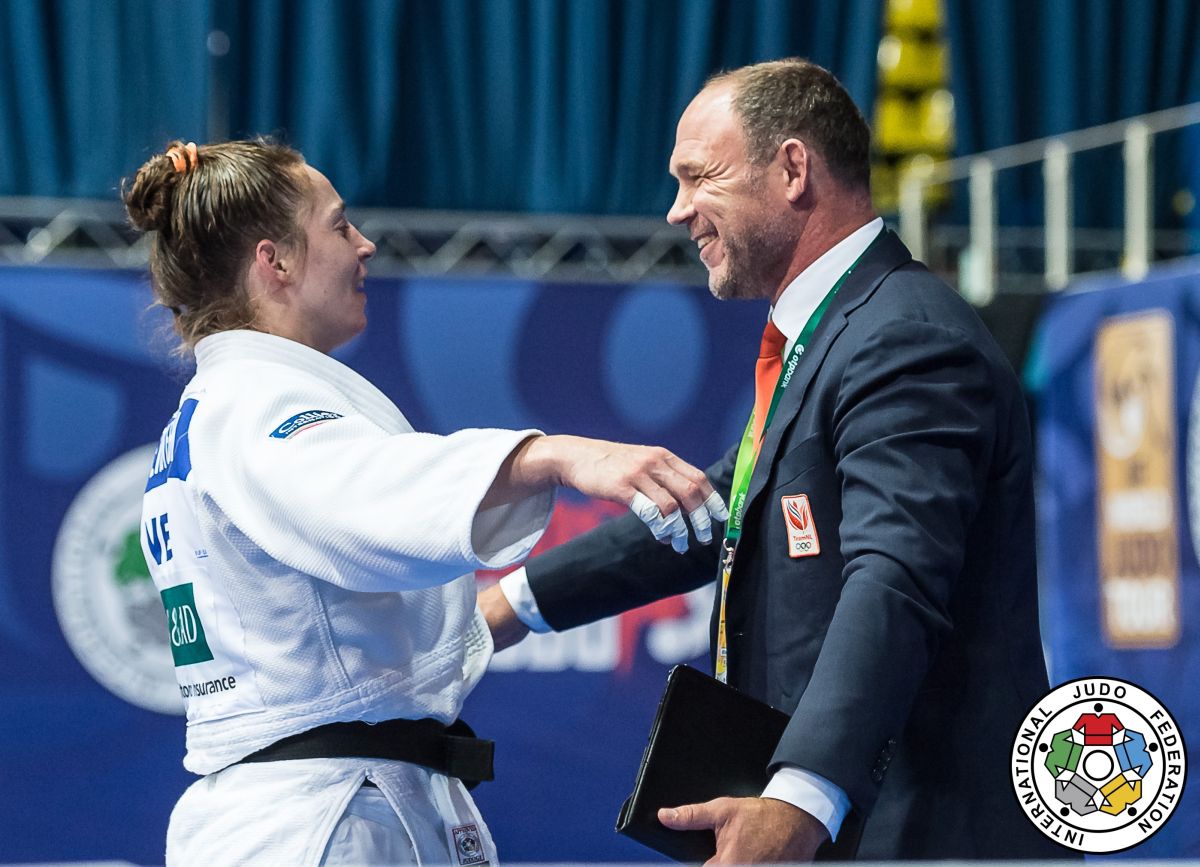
[[795, 98]]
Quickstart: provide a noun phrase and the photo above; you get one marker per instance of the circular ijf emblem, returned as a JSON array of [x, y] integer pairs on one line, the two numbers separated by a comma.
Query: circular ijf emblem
[[1099, 765], [107, 605]]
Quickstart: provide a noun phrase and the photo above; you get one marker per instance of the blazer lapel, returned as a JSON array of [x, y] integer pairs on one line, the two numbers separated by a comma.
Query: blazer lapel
[[888, 254]]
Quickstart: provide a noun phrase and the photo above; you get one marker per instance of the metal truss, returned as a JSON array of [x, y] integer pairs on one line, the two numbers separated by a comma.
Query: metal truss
[[569, 249], [87, 233], [72, 232]]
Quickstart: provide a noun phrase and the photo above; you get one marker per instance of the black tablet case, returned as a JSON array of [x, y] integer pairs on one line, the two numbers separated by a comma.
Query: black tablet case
[[708, 741]]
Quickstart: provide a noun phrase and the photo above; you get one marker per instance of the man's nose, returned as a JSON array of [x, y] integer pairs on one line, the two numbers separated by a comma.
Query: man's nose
[[681, 209]]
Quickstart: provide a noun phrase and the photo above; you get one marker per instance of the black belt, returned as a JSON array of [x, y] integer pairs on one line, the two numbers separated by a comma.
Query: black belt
[[452, 750]]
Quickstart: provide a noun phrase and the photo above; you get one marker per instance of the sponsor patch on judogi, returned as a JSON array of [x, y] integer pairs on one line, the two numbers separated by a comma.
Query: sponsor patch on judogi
[[801, 528], [302, 420]]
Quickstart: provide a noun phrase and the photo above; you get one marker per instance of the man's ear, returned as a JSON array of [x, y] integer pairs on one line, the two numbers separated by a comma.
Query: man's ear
[[797, 164]]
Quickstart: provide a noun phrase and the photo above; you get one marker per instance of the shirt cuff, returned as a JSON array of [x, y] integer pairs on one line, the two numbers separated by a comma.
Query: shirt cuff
[[811, 792], [516, 589]]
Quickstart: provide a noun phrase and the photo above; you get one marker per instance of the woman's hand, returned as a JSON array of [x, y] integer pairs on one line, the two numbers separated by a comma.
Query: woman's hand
[[659, 487]]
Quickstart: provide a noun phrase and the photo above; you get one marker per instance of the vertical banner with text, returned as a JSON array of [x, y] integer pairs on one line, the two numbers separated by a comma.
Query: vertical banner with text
[[1136, 501], [1116, 375]]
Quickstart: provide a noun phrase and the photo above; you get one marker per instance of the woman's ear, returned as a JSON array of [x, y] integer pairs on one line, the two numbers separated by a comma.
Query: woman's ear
[[272, 264]]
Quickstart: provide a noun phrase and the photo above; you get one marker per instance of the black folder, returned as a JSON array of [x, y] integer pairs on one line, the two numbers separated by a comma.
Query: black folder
[[708, 741]]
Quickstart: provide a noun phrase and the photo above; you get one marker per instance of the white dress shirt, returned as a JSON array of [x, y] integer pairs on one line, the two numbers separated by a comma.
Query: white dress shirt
[[797, 786]]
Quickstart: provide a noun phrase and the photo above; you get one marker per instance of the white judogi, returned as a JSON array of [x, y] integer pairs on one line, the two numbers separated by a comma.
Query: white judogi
[[308, 546]]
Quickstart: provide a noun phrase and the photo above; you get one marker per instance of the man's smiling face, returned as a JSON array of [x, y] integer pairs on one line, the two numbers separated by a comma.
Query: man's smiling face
[[726, 201]]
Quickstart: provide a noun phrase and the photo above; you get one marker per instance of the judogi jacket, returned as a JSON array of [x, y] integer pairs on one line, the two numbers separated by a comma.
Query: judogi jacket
[[310, 549]]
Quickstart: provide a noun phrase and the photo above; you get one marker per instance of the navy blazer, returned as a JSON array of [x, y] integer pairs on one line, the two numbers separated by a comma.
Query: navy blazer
[[907, 651]]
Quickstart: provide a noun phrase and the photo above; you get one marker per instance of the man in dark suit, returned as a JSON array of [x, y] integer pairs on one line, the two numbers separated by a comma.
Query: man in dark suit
[[882, 588]]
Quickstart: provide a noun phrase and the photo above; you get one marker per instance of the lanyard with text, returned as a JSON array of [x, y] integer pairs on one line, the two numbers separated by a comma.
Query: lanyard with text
[[747, 456]]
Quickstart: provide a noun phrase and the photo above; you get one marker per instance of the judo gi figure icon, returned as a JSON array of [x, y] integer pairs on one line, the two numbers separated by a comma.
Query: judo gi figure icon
[[1099, 765]]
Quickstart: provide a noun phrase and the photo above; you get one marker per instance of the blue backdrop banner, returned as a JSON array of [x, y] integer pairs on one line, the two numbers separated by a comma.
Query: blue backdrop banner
[[91, 740], [1118, 426]]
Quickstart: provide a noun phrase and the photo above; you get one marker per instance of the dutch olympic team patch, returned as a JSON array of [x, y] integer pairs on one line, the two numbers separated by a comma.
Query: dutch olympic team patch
[[302, 420], [1098, 765], [800, 526]]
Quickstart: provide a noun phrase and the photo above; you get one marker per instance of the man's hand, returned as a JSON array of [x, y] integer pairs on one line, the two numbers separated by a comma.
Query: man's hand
[[751, 830], [506, 629]]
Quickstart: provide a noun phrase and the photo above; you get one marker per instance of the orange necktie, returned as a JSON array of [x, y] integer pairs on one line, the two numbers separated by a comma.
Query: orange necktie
[[766, 375]]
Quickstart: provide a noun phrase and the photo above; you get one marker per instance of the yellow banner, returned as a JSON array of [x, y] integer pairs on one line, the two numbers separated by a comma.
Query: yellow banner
[[1136, 481]]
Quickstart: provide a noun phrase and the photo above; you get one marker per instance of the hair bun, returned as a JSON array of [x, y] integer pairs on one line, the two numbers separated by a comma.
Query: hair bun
[[148, 198]]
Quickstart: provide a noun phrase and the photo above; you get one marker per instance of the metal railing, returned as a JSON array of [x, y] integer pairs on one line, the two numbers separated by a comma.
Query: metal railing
[[1055, 154]]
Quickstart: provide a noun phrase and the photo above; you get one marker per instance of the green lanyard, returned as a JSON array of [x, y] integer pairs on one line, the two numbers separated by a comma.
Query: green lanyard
[[747, 456]]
